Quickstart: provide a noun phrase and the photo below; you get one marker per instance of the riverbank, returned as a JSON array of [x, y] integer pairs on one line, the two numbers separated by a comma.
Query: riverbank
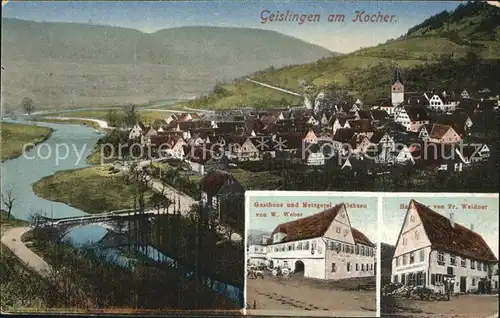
[[14, 136], [87, 123], [92, 190], [110, 115]]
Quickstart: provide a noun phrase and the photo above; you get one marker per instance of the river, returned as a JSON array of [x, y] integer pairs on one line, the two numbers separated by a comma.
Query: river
[[20, 173], [41, 161]]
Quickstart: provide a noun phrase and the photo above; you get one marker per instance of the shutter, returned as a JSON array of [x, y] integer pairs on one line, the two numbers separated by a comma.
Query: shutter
[[433, 279]]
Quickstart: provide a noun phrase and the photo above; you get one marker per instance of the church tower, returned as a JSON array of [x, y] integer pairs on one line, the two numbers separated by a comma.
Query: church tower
[[397, 89]]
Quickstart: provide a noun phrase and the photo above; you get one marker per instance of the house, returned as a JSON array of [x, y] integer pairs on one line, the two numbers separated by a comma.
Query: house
[[136, 131], [441, 102], [322, 246], [461, 122], [412, 117], [244, 149], [433, 250], [171, 118], [206, 158], [386, 146], [256, 255], [310, 137], [404, 156], [219, 190], [387, 106], [340, 122], [439, 134], [169, 146], [147, 133], [465, 94], [313, 155]]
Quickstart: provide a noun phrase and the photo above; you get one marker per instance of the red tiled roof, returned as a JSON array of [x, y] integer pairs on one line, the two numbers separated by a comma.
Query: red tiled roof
[[360, 238], [309, 227], [213, 181], [458, 240]]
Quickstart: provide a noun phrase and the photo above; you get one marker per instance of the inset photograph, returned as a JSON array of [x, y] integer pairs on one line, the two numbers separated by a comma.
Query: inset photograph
[[439, 256], [310, 253]]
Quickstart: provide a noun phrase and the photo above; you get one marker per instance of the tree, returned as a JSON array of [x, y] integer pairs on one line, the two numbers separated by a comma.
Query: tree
[[131, 117], [27, 105], [8, 200]]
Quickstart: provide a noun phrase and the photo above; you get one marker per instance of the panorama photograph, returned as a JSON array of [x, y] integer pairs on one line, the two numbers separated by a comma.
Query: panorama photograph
[[130, 132]]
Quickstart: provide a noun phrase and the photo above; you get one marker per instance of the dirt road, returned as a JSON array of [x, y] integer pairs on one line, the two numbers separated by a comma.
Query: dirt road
[[457, 306], [300, 296]]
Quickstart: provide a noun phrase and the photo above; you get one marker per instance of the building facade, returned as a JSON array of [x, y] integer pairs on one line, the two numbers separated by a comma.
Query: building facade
[[322, 246], [432, 251]]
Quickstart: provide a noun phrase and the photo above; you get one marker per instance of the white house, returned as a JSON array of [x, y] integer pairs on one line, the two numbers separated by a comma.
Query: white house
[[404, 156], [322, 246], [432, 250], [256, 254], [136, 131], [441, 102], [340, 122]]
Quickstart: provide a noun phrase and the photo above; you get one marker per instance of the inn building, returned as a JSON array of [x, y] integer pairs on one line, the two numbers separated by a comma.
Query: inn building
[[432, 250], [322, 246]]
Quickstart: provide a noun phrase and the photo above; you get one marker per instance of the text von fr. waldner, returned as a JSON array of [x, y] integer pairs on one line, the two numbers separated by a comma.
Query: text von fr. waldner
[[267, 16]]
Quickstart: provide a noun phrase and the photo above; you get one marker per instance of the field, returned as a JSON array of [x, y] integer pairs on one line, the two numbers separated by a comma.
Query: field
[[15, 136], [93, 190]]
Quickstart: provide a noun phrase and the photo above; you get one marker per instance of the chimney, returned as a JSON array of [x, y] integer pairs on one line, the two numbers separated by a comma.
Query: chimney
[[452, 220]]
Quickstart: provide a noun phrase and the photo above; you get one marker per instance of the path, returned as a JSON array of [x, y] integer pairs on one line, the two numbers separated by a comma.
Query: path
[[11, 238], [101, 123], [274, 87]]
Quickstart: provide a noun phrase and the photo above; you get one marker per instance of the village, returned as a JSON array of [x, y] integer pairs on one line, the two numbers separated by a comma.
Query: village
[[428, 130]]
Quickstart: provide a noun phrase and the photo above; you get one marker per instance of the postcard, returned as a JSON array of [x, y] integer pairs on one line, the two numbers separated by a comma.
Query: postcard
[[131, 132]]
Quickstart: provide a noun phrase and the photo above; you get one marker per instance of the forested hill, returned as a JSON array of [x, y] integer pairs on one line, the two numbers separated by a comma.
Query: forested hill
[[450, 50]]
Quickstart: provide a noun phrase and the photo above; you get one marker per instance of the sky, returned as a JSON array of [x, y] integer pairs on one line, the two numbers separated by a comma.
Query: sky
[[362, 218], [149, 16], [485, 221]]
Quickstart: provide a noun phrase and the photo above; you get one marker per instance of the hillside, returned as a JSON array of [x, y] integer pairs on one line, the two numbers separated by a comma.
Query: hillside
[[441, 48], [70, 64]]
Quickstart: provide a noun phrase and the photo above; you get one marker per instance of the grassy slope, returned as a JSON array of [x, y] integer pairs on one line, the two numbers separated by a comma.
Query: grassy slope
[[15, 136], [93, 190], [413, 50]]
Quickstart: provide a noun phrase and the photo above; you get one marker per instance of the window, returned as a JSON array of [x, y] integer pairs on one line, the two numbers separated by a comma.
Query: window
[[453, 260], [473, 282], [405, 259], [485, 267], [337, 229], [403, 279], [313, 245], [275, 249], [422, 255], [348, 266], [362, 250], [299, 246], [436, 279], [306, 245], [285, 264], [411, 279], [289, 247], [463, 262], [357, 267], [334, 268], [472, 264], [397, 261], [332, 246], [395, 279], [412, 258], [440, 258], [362, 267], [357, 249]]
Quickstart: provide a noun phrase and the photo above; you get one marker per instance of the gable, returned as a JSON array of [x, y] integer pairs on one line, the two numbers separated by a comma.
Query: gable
[[340, 228], [412, 235], [248, 146]]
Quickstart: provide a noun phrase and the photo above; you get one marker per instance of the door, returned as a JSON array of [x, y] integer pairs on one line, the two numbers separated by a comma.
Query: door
[[463, 284]]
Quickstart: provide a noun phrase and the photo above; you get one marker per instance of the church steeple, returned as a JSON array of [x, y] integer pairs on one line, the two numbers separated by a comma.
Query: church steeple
[[397, 76]]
